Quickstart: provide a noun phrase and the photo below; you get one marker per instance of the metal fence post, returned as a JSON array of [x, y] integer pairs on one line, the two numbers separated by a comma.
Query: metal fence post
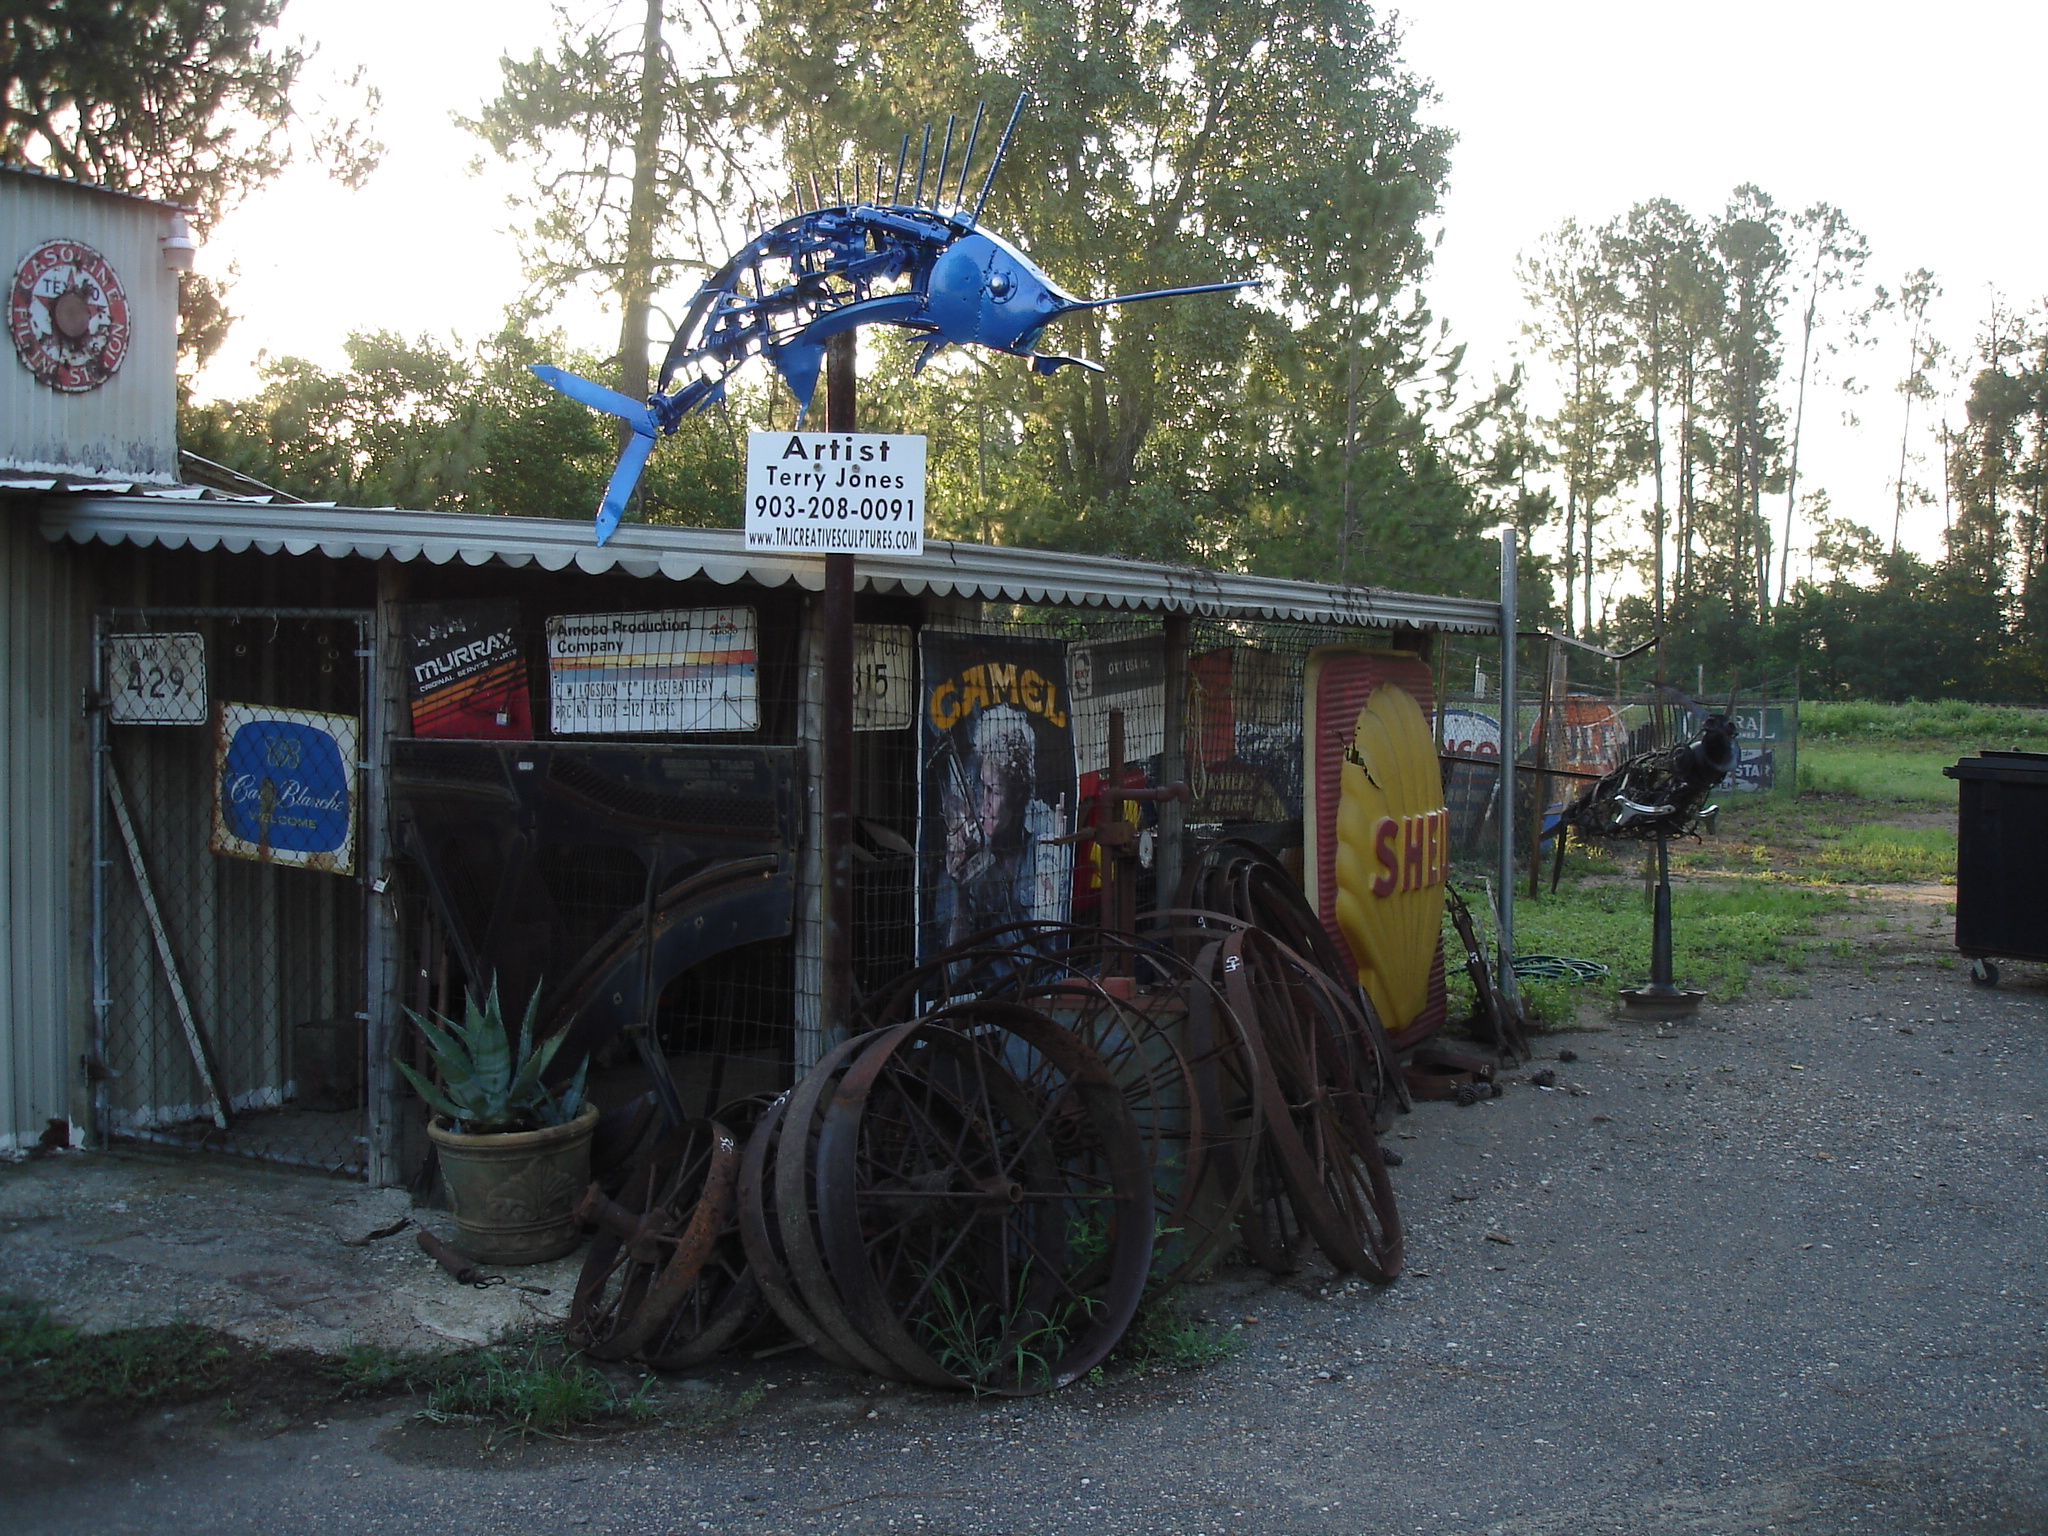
[[1510, 734], [383, 699], [102, 1114], [1173, 766], [809, 979]]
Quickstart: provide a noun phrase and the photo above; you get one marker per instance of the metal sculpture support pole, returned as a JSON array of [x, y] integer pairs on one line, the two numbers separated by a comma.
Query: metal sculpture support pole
[[836, 790], [1504, 966], [1660, 928], [1661, 997]]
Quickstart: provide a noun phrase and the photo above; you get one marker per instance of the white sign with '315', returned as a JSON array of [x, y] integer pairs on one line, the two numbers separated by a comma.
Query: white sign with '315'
[[157, 679]]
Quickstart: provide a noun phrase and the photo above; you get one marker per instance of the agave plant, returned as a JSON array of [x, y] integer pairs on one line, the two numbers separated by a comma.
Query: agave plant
[[487, 1086]]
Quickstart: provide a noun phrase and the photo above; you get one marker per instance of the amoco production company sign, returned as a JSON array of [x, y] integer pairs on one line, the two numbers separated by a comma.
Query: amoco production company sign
[[845, 493]]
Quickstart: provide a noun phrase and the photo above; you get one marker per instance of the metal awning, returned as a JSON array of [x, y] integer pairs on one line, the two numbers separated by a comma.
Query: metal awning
[[946, 569]]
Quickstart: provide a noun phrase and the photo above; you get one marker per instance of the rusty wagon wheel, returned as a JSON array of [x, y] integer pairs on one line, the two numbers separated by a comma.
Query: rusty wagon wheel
[[650, 1247], [1186, 1066], [1320, 1135], [725, 1303], [1237, 877], [985, 1201], [761, 1239]]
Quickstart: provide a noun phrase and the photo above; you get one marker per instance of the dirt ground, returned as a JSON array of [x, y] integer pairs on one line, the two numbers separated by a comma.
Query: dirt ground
[[1778, 1269]]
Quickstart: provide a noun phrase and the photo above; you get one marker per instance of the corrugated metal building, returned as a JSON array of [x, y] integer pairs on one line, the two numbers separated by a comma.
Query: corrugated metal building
[[144, 559], [90, 396], [165, 978], [93, 313]]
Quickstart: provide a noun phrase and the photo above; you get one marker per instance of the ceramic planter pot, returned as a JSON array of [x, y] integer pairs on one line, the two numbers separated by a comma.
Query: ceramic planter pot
[[511, 1194]]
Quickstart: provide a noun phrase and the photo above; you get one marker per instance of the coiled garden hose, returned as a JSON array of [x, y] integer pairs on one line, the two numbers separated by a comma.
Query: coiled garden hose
[[1557, 968]]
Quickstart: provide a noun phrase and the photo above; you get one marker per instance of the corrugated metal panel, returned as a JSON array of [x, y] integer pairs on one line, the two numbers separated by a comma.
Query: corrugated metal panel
[[37, 176], [945, 570], [39, 722], [126, 428]]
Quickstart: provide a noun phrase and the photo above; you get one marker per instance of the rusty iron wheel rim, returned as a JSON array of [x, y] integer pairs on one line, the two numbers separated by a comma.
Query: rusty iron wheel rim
[[760, 1241], [629, 1293], [1319, 1127], [725, 1302], [962, 1211], [1196, 1104], [796, 1203]]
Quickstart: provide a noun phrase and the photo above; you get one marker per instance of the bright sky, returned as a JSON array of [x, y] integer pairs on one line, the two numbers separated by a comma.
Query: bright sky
[[1903, 115]]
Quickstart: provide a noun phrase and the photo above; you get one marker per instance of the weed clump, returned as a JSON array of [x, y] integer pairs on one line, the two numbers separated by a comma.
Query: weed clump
[[1166, 1336], [531, 1393], [44, 1364]]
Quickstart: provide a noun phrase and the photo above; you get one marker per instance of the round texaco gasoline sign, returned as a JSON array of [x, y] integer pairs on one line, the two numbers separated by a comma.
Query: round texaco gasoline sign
[[68, 316]]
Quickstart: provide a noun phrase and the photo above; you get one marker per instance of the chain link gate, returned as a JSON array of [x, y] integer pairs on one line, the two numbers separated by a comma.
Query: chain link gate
[[230, 922]]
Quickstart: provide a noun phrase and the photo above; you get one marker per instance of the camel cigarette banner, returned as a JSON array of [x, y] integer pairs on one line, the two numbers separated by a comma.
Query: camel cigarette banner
[[628, 674], [998, 785], [465, 674]]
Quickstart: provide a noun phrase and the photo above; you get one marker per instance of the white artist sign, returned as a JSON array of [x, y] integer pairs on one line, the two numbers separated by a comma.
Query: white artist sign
[[850, 493]]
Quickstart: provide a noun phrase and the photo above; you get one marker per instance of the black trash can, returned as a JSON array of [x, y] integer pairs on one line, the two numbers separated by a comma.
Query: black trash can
[[2001, 859]]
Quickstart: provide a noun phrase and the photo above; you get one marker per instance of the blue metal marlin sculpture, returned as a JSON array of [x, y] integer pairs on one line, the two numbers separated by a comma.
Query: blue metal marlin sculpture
[[846, 264]]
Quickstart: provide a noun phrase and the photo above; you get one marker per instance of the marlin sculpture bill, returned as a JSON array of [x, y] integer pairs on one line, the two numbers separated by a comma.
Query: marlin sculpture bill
[[844, 264]]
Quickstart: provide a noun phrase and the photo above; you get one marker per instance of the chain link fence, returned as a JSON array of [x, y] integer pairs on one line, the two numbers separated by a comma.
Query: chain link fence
[[229, 980]]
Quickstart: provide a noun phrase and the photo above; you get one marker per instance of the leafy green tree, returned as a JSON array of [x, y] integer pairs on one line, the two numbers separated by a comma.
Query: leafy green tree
[[1830, 254], [415, 423], [1924, 357], [626, 124], [1166, 145], [188, 101], [1577, 302], [1658, 262], [1748, 240]]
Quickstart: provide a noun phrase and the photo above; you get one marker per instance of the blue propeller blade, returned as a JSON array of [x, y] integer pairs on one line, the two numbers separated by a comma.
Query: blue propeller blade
[[631, 458], [596, 396]]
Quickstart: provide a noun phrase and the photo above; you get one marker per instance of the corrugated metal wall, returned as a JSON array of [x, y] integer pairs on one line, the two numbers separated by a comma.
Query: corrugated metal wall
[[126, 428], [42, 764]]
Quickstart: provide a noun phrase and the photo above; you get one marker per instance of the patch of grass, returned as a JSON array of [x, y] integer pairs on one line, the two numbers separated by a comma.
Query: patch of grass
[[1868, 770], [364, 1370], [702, 1418], [44, 1364], [985, 1343], [538, 1392], [1720, 931], [1830, 839], [1166, 1336], [1950, 720], [1876, 853]]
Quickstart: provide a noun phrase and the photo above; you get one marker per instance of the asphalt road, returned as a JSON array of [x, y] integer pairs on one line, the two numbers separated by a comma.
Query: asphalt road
[[1775, 1270]]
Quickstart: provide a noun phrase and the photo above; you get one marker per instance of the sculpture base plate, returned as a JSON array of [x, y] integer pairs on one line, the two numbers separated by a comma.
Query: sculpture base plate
[[1643, 1003]]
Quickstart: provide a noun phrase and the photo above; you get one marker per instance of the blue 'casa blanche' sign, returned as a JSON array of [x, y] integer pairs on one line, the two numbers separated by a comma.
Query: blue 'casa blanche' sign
[[286, 788]]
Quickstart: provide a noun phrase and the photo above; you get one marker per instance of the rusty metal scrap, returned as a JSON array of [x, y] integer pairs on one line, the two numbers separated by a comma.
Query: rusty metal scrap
[[1019, 1138]]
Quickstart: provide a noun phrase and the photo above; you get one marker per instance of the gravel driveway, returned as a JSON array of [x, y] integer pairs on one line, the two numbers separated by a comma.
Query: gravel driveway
[[1778, 1269]]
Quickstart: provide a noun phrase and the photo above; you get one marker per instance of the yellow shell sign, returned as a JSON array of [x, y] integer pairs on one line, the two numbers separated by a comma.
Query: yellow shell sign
[[1387, 844]]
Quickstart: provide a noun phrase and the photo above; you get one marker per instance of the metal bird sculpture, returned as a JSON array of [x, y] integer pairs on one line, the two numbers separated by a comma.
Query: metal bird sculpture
[[853, 262], [1659, 793]]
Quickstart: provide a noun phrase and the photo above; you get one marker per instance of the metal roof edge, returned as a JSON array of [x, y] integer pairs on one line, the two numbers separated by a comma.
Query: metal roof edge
[[37, 173], [990, 572]]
